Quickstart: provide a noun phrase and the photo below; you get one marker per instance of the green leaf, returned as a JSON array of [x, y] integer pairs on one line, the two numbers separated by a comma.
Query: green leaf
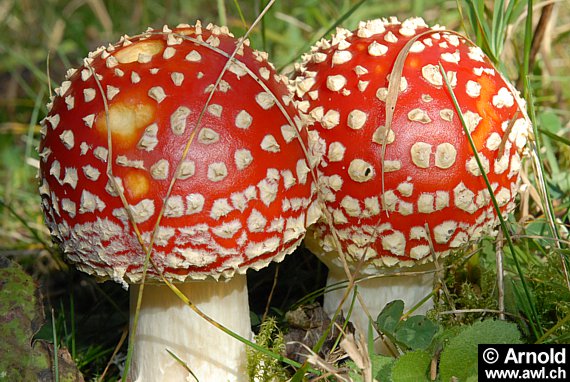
[[550, 122], [385, 372], [390, 316], [412, 367], [459, 357], [416, 332], [381, 367], [539, 229]]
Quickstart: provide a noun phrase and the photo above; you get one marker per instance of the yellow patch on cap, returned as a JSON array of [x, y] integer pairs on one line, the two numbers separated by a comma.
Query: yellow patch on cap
[[136, 184], [132, 52], [126, 120]]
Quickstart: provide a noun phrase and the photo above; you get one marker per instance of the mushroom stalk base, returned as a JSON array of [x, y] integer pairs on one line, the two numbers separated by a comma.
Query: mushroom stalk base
[[166, 323], [376, 292]]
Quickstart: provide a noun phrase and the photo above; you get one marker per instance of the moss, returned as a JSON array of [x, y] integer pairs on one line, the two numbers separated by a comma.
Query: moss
[[21, 315], [263, 367]]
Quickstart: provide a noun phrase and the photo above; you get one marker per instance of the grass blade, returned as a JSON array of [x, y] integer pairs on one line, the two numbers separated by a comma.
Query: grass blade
[[525, 67], [240, 12], [559, 324], [536, 157], [34, 233], [183, 364], [333, 26], [496, 24], [253, 345], [554, 137], [55, 348], [537, 330], [222, 16], [480, 24]]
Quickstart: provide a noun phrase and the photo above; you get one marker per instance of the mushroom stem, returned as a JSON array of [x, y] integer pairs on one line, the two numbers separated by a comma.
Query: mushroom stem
[[411, 285], [167, 323]]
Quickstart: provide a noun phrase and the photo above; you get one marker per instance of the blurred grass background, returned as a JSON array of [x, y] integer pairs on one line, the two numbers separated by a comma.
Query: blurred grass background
[[40, 40]]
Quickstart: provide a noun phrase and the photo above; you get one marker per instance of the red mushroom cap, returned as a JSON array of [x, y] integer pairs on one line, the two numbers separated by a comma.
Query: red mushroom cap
[[432, 183], [240, 196]]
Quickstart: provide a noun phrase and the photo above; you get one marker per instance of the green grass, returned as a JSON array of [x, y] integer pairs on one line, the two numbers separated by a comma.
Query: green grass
[[38, 44]]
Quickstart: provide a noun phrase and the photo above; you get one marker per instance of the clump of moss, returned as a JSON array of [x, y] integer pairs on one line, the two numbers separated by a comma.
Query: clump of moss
[[471, 287], [263, 367], [473, 291], [552, 297]]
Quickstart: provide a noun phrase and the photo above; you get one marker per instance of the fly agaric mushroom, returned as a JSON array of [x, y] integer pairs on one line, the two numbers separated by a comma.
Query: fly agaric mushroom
[[424, 196], [134, 152]]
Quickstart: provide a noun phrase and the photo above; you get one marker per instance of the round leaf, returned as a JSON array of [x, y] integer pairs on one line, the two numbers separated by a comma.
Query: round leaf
[[459, 357], [390, 316], [416, 332]]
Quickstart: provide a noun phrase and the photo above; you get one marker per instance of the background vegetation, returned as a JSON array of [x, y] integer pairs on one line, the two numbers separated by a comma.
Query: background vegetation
[[525, 284]]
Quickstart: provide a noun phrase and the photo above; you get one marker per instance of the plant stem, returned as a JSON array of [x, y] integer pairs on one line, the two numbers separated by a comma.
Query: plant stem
[[55, 348]]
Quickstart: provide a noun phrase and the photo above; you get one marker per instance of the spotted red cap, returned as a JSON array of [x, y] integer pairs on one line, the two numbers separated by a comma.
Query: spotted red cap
[[431, 177], [241, 195]]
